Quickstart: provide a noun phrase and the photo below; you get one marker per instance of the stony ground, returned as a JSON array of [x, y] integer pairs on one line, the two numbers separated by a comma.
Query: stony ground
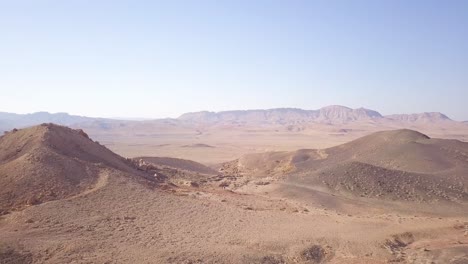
[[122, 221]]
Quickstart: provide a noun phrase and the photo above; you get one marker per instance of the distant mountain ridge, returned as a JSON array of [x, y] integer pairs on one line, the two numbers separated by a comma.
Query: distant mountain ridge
[[11, 120], [334, 114], [328, 114]]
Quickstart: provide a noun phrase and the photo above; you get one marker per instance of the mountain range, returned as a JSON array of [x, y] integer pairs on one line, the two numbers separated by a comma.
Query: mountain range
[[334, 114], [329, 114], [11, 120]]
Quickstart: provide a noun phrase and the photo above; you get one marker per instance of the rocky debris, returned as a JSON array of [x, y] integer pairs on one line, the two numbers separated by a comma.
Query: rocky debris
[[10, 255], [396, 245], [179, 164], [177, 176], [262, 182], [188, 183], [149, 168], [315, 254], [272, 259], [82, 133], [224, 184]]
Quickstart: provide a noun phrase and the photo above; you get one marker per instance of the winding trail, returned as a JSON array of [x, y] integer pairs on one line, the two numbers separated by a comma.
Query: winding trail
[[102, 181]]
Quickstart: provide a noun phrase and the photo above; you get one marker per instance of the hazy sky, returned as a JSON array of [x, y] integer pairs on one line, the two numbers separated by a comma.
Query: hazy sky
[[163, 58]]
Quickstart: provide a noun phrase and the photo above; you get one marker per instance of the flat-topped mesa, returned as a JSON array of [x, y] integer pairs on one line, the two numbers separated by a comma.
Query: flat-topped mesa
[[335, 113]]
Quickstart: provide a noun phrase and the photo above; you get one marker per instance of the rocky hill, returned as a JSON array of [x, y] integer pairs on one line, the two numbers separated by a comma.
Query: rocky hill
[[395, 165], [49, 162]]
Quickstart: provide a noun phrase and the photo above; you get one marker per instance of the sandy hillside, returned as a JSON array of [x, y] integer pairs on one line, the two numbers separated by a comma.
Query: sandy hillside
[[50, 162]]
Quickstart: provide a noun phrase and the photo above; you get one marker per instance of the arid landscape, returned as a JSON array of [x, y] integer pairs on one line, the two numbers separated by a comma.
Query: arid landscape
[[212, 138], [270, 186]]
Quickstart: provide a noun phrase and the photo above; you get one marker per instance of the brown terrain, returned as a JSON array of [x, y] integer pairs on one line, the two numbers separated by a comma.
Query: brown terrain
[[395, 196], [259, 186]]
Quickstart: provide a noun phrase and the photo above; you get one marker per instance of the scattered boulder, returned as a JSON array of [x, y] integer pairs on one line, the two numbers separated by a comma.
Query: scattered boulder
[[396, 245], [315, 254], [224, 184], [272, 259], [12, 255], [82, 133]]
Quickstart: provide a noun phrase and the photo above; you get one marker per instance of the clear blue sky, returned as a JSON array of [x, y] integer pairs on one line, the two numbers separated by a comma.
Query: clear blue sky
[[163, 58]]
